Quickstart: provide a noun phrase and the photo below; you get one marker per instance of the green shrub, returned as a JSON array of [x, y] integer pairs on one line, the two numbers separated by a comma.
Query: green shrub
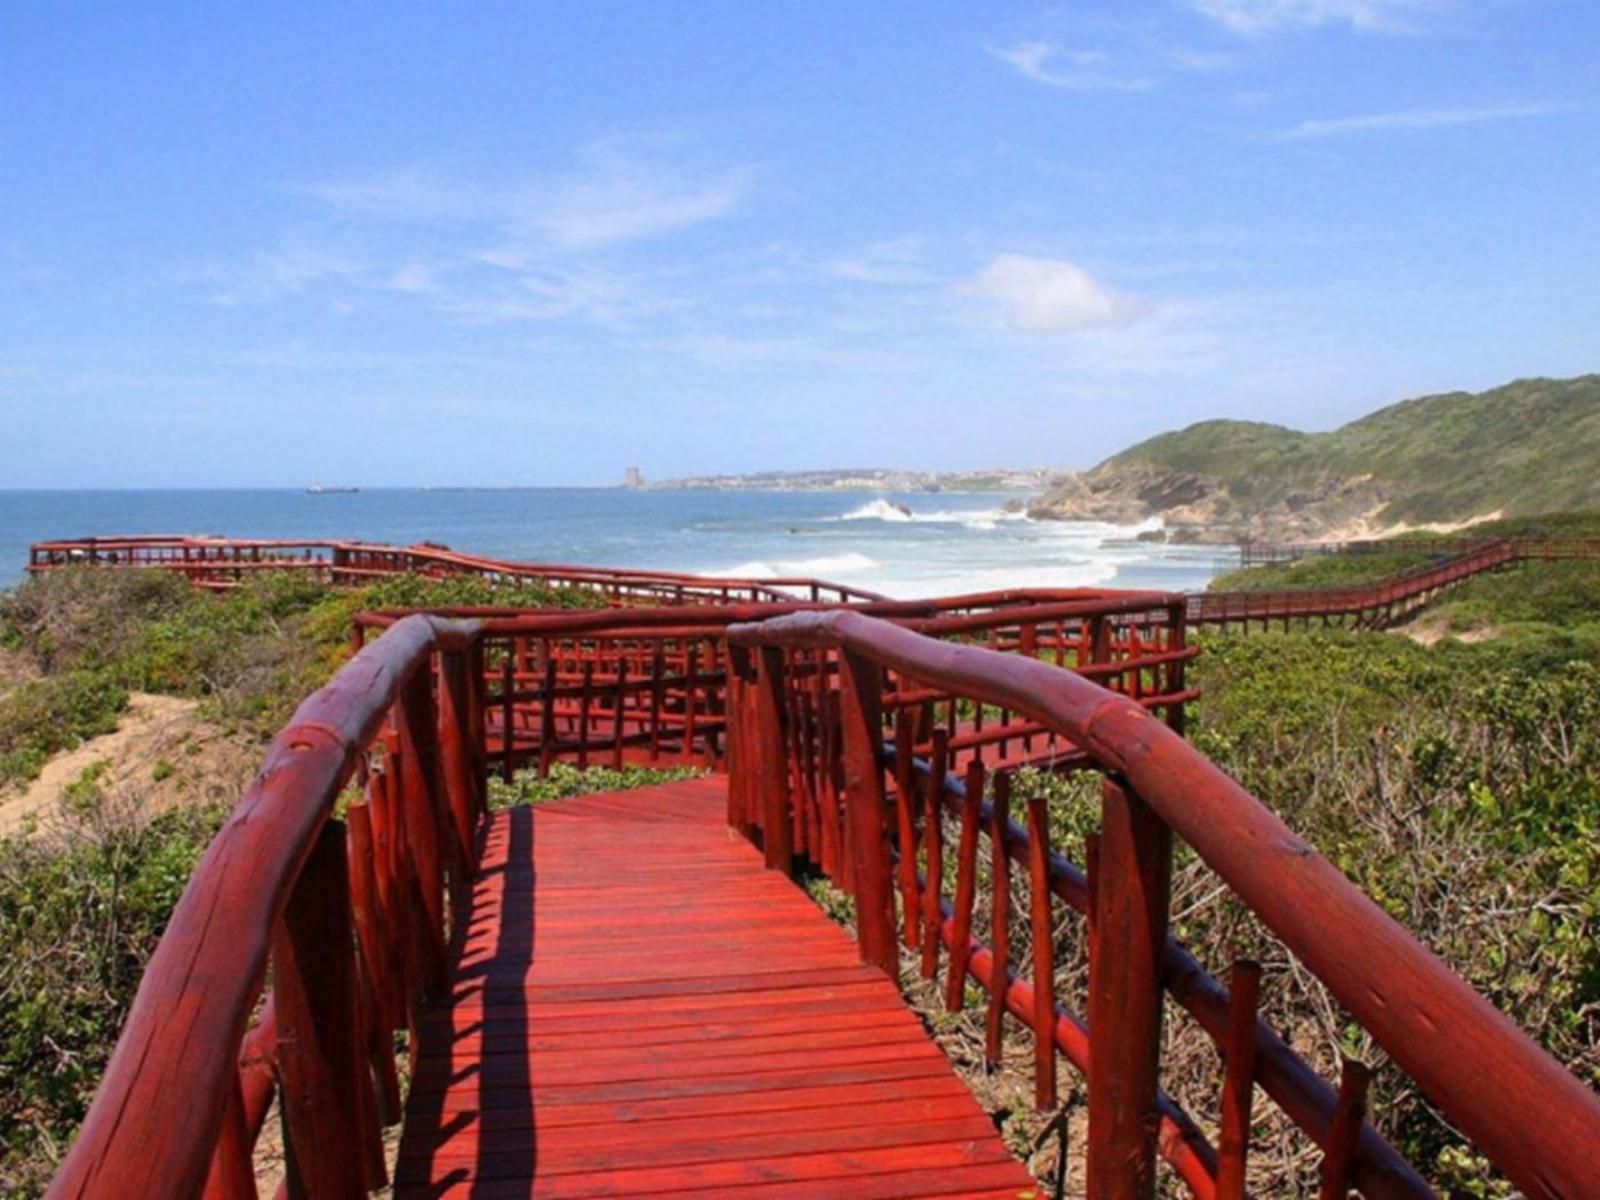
[[46, 716], [1459, 787], [78, 919], [564, 780]]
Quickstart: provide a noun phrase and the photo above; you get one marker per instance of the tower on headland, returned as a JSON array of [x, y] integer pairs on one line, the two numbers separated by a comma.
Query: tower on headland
[[633, 478]]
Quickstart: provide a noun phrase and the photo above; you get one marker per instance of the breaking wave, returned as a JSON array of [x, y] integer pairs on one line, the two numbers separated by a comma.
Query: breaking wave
[[820, 567], [973, 518]]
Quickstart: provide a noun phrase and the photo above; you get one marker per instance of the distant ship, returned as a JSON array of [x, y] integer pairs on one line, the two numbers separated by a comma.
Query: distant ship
[[316, 489]]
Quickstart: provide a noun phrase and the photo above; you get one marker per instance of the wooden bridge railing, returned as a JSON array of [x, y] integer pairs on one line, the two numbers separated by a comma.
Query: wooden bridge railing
[[219, 563], [338, 873], [1384, 601], [315, 925], [883, 809], [651, 684]]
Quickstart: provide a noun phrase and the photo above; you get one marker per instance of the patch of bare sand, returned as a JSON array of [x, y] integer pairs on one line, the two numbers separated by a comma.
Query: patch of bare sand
[[1370, 527], [162, 753], [1430, 630]]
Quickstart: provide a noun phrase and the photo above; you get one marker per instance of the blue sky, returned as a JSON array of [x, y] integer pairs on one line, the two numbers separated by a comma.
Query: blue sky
[[536, 243]]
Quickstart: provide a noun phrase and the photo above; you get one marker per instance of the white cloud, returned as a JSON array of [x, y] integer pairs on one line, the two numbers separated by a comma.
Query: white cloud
[[621, 196], [1416, 118], [554, 293], [1256, 17], [621, 190], [898, 262], [1047, 295], [409, 195], [1058, 67], [412, 277]]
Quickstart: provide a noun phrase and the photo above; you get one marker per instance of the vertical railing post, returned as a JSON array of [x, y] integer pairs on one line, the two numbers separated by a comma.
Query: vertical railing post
[[772, 767], [232, 1175], [422, 815], [455, 760], [319, 1047], [547, 712], [477, 703], [739, 751], [385, 1005], [861, 722], [508, 686], [1238, 1084], [1177, 640], [1131, 893]]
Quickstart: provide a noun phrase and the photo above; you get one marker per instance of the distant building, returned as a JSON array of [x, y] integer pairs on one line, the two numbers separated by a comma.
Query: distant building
[[634, 478]]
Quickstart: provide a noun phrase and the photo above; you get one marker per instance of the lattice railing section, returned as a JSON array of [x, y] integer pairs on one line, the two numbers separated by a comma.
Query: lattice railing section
[[218, 563], [651, 686], [890, 805]]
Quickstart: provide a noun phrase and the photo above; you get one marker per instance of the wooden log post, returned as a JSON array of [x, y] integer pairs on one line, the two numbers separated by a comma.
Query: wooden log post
[[387, 1004], [741, 764], [933, 854], [772, 766], [966, 886], [421, 818], [232, 1175], [905, 814], [1238, 1083], [457, 768], [1339, 1147], [1177, 638], [547, 714], [1042, 935], [508, 687], [619, 715], [1131, 894], [999, 921], [861, 722], [477, 730], [319, 1042]]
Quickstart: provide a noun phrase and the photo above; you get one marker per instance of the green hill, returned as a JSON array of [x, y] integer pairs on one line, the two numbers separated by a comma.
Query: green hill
[[1532, 446]]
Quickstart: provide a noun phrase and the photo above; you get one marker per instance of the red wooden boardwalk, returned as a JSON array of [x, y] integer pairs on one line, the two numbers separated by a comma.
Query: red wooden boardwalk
[[640, 1008]]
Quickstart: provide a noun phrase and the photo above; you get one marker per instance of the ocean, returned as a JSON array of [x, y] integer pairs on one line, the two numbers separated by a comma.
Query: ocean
[[902, 544]]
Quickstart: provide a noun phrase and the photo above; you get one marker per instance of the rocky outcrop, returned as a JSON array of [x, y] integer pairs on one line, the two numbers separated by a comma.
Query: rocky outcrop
[[1198, 508]]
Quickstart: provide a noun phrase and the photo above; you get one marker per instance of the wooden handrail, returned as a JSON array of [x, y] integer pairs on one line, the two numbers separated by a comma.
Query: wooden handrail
[[1382, 600], [220, 562], [1532, 1118], [174, 1095]]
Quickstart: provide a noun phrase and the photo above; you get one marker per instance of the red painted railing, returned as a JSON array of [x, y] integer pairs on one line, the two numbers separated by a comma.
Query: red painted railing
[[217, 563], [1534, 1120], [352, 917], [1384, 601], [808, 710], [651, 686]]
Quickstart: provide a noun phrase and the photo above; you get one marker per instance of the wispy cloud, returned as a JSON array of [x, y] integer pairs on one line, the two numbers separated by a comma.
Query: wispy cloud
[[1253, 18], [898, 262], [620, 190], [1415, 118], [595, 294], [1048, 295], [413, 277], [619, 197], [1060, 67]]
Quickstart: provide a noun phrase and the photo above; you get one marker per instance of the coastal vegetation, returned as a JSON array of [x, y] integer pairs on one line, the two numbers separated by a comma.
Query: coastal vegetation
[[1457, 782], [1527, 447], [85, 893]]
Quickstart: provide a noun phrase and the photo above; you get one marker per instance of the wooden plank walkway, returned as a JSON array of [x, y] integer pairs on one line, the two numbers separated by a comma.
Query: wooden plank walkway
[[640, 1008]]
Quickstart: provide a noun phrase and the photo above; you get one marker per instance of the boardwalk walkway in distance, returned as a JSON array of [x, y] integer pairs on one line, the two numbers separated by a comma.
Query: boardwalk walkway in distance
[[640, 1008]]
